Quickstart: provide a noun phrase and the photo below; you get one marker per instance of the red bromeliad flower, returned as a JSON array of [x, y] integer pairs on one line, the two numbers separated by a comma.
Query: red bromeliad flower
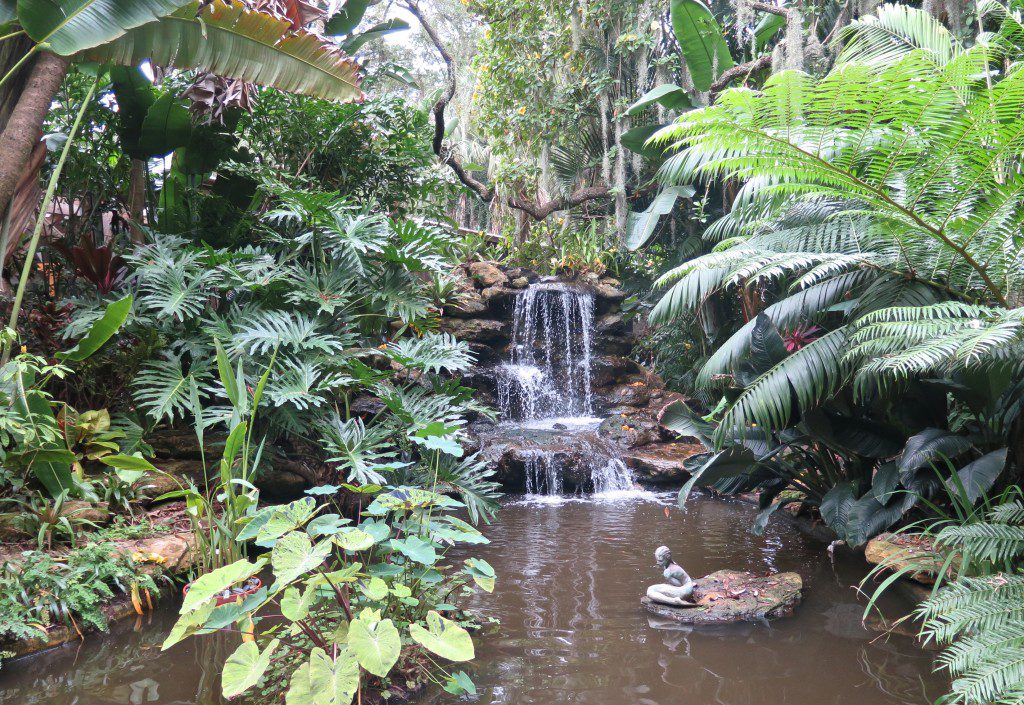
[[799, 337]]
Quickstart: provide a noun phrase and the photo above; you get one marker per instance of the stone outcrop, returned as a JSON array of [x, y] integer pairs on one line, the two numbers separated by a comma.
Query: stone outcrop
[[733, 596]]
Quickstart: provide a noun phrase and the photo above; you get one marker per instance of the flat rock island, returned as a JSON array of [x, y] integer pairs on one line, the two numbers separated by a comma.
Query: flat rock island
[[734, 596]]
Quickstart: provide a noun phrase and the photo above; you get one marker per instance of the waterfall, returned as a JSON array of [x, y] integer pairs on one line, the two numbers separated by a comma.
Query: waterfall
[[613, 476], [544, 389], [549, 373], [543, 474]]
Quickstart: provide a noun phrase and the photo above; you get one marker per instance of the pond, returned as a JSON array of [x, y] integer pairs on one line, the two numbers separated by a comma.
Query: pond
[[571, 572]]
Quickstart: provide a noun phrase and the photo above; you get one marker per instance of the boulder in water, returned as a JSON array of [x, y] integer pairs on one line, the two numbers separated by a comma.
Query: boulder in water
[[734, 596]]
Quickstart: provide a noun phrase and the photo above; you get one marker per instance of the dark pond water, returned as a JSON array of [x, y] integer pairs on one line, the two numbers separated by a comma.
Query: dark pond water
[[570, 576]]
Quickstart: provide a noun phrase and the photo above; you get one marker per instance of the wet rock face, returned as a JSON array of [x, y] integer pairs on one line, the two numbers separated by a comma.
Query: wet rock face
[[733, 596]]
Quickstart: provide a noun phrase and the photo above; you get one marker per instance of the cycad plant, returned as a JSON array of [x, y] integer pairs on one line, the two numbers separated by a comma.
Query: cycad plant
[[877, 230]]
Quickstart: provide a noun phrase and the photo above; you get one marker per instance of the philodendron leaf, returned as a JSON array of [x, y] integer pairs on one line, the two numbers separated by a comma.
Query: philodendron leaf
[[205, 587], [444, 638], [295, 555], [376, 644], [245, 667]]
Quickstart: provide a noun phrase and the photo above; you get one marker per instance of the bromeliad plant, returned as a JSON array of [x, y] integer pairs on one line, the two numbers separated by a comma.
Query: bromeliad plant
[[352, 606]]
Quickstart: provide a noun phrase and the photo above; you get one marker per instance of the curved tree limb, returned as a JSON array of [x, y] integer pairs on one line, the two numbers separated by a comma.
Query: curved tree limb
[[538, 210], [720, 84]]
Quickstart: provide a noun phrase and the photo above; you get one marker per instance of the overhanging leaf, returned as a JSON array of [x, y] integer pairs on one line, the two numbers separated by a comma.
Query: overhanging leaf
[[245, 666], [667, 95], [444, 637], [206, 586], [236, 42], [69, 26], [640, 226], [347, 18], [702, 41]]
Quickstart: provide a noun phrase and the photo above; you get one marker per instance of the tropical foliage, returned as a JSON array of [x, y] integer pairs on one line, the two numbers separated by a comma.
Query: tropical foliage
[[876, 227]]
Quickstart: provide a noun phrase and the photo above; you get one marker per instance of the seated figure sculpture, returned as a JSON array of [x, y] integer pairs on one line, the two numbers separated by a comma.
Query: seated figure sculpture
[[677, 591]]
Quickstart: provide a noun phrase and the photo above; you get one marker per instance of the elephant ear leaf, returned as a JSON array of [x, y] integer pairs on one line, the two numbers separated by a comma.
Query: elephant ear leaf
[[375, 644], [71, 26], [244, 668], [702, 40], [444, 638]]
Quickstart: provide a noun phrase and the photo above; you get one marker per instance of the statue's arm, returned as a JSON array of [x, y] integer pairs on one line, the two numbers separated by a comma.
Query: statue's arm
[[676, 575]]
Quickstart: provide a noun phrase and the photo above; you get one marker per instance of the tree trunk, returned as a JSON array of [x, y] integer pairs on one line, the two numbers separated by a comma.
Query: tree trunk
[[26, 120], [137, 200]]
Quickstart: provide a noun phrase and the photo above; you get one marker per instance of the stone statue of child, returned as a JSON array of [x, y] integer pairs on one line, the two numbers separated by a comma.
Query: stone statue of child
[[678, 590]]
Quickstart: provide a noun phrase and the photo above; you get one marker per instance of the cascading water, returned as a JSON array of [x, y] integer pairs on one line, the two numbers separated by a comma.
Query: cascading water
[[546, 386], [549, 373]]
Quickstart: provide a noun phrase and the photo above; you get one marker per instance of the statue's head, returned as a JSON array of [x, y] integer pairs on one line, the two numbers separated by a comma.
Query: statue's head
[[663, 555]]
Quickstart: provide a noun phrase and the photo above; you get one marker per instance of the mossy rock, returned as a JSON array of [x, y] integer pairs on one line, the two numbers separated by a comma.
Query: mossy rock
[[734, 596]]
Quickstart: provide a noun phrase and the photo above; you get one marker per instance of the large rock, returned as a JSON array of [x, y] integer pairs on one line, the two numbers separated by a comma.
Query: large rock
[[477, 330], [630, 430], [607, 370], [606, 291], [611, 324], [661, 463], [499, 298], [733, 596], [468, 305], [633, 394], [486, 274], [898, 552]]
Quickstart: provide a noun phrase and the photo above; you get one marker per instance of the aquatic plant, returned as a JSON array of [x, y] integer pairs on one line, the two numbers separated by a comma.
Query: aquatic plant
[[352, 606]]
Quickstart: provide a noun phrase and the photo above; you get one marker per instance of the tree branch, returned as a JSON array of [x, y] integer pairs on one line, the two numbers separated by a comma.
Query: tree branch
[[771, 9], [447, 154], [720, 84]]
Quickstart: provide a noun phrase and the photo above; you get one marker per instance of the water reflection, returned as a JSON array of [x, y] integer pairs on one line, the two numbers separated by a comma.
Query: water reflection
[[571, 629]]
